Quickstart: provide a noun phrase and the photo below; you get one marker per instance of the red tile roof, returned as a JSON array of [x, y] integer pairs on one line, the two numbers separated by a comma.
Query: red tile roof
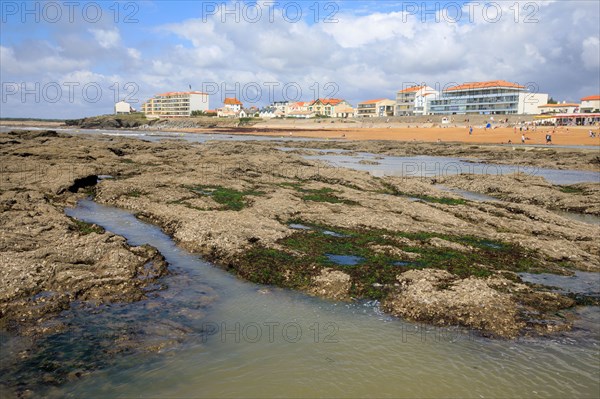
[[591, 98], [484, 85], [558, 105], [232, 101], [328, 101], [411, 89], [373, 101]]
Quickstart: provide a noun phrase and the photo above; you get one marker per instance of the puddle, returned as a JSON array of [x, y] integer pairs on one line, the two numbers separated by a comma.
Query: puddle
[[581, 283], [405, 263], [334, 234], [298, 226], [492, 245], [345, 260]]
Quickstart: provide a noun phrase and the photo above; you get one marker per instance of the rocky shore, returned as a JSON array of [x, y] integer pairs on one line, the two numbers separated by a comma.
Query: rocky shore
[[274, 217], [48, 259]]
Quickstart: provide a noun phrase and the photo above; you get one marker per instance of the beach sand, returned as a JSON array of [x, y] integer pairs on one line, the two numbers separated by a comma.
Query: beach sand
[[502, 135]]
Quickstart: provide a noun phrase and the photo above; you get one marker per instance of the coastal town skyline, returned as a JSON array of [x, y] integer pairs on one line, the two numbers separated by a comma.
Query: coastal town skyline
[[70, 62]]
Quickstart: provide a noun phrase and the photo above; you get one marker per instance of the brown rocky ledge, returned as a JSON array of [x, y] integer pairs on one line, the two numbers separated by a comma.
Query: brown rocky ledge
[[440, 259]]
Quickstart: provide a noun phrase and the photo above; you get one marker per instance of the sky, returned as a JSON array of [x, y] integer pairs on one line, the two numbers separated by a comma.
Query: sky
[[77, 58]]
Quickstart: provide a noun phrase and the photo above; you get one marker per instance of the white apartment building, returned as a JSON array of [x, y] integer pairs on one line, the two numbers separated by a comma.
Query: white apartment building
[[488, 98], [560, 108], [176, 104], [590, 104], [414, 100], [380, 107]]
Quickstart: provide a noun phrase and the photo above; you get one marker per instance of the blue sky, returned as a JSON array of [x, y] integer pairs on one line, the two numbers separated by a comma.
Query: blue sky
[[58, 67]]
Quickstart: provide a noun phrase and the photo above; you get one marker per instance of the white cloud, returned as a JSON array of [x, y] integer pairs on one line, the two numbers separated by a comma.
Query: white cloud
[[106, 38], [590, 53]]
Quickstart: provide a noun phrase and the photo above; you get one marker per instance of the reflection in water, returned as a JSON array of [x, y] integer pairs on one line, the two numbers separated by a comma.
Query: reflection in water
[[253, 341]]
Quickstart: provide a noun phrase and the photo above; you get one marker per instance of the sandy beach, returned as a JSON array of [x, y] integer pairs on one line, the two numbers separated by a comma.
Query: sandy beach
[[501, 135]]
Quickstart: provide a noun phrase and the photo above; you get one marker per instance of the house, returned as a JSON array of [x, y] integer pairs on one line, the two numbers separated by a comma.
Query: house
[[227, 113], [175, 104], [280, 106], [561, 108], [267, 113], [232, 103], [231, 108], [292, 107], [331, 107], [414, 100], [380, 107], [590, 104], [251, 112], [271, 112], [487, 98], [123, 107]]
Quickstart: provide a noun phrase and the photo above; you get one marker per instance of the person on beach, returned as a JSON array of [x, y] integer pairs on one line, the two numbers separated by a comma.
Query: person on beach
[[470, 130], [523, 139], [548, 138]]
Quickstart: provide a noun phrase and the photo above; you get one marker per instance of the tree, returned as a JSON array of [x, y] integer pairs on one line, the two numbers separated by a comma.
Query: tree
[[552, 101]]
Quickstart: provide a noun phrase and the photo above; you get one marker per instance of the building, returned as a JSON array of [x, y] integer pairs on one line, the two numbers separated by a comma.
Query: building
[[298, 106], [413, 100], [331, 107], [176, 104], [231, 108], [561, 108], [487, 98], [380, 107], [298, 109], [232, 103], [270, 112], [123, 107], [280, 106], [590, 104]]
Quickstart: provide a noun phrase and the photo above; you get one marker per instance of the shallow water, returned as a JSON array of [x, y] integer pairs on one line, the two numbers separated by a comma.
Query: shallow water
[[345, 260], [256, 341], [428, 166], [580, 283], [157, 135], [580, 217]]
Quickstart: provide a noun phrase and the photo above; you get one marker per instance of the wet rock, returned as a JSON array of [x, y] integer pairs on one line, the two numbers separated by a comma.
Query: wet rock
[[440, 298], [332, 284], [440, 243]]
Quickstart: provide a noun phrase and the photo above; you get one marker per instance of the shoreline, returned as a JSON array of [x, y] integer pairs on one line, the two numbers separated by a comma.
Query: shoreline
[[401, 132]]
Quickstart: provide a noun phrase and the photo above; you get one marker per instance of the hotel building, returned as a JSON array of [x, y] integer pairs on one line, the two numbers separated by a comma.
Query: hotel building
[[177, 104], [488, 98]]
